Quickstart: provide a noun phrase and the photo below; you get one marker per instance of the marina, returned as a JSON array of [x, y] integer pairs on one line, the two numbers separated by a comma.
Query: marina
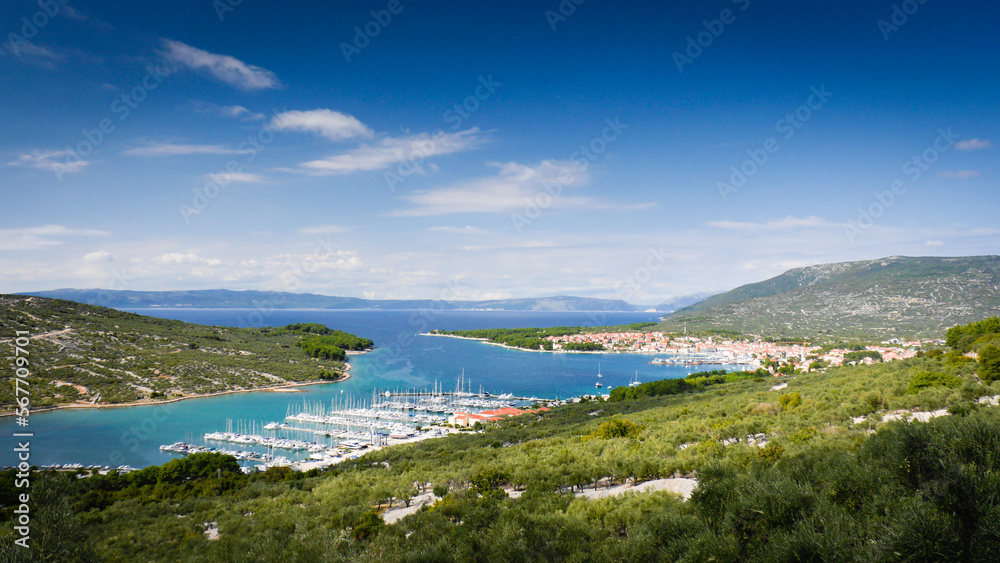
[[318, 434]]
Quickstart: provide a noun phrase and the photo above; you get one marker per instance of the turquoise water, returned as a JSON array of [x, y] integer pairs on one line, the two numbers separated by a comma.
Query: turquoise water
[[403, 360]]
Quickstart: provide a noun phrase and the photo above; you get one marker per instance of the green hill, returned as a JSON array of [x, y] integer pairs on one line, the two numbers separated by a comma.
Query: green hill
[[896, 296], [82, 353]]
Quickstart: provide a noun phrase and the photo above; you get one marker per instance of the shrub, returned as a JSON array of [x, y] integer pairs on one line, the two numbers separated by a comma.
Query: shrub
[[924, 379], [790, 400], [618, 428], [989, 363], [860, 355], [962, 337]]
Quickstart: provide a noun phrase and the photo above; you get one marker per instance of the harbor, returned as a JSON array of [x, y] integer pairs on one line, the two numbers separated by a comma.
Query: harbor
[[317, 434], [701, 360]]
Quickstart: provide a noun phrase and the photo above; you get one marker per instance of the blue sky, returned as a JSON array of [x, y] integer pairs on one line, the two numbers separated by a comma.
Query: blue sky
[[493, 149]]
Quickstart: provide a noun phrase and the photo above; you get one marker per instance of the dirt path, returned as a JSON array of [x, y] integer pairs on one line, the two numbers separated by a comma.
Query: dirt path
[[49, 334], [681, 486], [83, 390]]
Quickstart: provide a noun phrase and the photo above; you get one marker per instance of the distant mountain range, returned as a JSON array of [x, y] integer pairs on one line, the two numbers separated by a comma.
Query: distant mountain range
[[895, 296], [224, 299]]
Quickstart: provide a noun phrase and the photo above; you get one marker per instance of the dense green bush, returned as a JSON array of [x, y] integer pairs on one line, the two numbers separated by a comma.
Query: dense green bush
[[925, 379], [861, 355], [319, 347], [964, 337], [618, 427], [693, 382], [583, 346], [989, 363]]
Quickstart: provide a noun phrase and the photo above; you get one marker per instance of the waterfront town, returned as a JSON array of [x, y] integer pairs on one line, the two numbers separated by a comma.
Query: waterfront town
[[696, 350]]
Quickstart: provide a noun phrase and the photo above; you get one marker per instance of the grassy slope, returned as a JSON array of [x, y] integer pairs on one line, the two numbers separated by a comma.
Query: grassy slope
[[805, 478], [878, 298], [127, 357]]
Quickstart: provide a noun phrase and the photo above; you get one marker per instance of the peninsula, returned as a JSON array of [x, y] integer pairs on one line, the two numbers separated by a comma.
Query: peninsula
[[88, 356]]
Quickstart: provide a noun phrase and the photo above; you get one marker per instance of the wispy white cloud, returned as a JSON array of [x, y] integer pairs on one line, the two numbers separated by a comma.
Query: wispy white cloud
[[51, 161], [239, 112], [515, 245], [960, 174], [33, 238], [245, 177], [323, 230], [973, 144], [225, 68], [466, 230], [186, 258], [75, 14], [935, 243], [170, 149], [98, 256], [54, 230], [48, 57], [393, 150], [35, 54], [325, 122], [511, 189], [777, 225]]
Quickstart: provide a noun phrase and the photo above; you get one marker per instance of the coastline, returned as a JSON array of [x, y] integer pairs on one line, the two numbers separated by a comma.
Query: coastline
[[487, 341], [283, 388]]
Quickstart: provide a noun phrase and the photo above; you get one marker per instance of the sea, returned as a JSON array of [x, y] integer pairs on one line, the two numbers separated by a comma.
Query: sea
[[404, 359]]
